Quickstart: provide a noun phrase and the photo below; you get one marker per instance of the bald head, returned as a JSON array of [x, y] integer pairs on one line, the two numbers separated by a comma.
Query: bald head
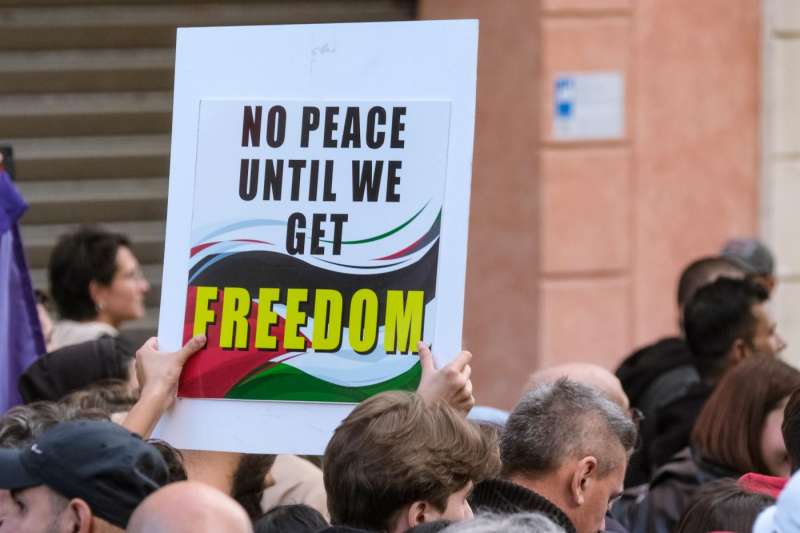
[[189, 507], [593, 376]]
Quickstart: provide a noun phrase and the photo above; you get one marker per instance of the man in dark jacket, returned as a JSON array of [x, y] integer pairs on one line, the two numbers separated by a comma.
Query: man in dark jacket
[[664, 372], [564, 451]]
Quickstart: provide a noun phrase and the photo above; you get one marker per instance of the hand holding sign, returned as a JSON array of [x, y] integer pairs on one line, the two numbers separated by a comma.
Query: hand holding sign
[[451, 383], [158, 374]]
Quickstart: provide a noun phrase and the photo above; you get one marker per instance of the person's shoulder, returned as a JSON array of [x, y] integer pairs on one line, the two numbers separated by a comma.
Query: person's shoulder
[[505, 497], [69, 332], [655, 357]]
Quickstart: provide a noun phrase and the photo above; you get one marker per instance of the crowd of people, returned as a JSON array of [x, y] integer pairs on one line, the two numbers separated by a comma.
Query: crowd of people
[[694, 433]]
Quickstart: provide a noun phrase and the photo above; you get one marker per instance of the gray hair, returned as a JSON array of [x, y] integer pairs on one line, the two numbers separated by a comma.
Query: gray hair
[[562, 420], [21, 425], [512, 523]]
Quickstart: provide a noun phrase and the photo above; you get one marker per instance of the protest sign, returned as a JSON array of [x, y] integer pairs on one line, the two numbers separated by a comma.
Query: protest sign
[[317, 223]]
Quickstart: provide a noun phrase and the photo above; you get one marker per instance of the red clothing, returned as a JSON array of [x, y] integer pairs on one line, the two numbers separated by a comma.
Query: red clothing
[[761, 484]]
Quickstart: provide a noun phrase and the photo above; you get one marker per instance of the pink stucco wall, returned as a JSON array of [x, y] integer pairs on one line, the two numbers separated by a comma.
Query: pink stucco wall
[[580, 243]]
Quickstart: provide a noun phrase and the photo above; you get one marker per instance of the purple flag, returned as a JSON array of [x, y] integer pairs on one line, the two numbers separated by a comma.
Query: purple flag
[[21, 340]]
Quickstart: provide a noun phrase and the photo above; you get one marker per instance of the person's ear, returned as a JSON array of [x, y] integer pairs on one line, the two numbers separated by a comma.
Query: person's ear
[[96, 291], [584, 475], [420, 512], [78, 516], [739, 352]]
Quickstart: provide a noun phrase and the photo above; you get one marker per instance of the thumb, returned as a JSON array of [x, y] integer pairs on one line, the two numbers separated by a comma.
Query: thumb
[[191, 347], [426, 358]]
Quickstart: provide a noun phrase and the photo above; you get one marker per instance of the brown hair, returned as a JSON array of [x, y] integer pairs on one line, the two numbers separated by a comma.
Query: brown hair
[[110, 395], [728, 430], [723, 505], [393, 450]]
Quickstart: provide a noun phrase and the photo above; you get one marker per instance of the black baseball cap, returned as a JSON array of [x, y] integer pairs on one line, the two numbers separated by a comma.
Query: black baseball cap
[[104, 464]]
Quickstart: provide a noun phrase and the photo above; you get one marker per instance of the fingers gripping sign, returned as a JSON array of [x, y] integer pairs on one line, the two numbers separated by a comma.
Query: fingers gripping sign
[[451, 383], [158, 374]]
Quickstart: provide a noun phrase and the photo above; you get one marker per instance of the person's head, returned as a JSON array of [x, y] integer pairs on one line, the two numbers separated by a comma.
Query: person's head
[[703, 271], [739, 427], [723, 505], [189, 507], [790, 429], [75, 367], [249, 481], [594, 376], [299, 518], [20, 425], [397, 461], [95, 276], [79, 476], [754, 258], [112, 396], [726, 322], [509, 523], [173, 458], [570, 443]]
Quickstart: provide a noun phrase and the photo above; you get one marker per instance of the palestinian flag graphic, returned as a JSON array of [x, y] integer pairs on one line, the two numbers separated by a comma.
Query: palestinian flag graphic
[[281, 373]]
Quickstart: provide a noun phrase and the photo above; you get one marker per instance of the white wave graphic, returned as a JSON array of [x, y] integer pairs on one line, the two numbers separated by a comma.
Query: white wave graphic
[[345, 369]]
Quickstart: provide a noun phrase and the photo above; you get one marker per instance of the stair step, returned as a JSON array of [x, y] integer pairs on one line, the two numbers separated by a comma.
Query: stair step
[[49, 71], [94, 201], [147, 239], [118, 26], [151, 272], [90, 157], [40, 115]]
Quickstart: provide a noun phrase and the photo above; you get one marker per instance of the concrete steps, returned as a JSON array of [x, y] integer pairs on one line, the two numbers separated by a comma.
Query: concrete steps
[[80, 158], [147, 238], [94, 201], [86, 100], [48, 71], [117, 26], [70, 114]]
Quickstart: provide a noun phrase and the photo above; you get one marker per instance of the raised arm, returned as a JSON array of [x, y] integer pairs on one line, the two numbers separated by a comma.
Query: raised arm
[[158, 374]]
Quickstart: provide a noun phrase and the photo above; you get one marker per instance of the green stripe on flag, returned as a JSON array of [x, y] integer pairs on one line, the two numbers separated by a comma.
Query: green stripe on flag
[[285, 382], [388, 233]]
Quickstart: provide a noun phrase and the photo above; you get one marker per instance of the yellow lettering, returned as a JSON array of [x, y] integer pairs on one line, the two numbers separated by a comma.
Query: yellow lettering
[[327, 320], [266, 319], [363, 320], [403, 321], [235, 308], [295, 318], [203, 316]]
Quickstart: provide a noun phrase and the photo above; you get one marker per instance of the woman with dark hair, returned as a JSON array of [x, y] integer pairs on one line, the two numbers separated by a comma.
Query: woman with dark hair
[[723, 505], [96, 283], [738, 431]]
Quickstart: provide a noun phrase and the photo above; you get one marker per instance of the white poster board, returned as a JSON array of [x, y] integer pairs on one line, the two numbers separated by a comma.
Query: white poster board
[[316, 171]]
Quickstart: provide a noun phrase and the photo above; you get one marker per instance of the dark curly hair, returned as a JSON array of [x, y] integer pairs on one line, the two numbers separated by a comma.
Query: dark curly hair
[[86, 255]]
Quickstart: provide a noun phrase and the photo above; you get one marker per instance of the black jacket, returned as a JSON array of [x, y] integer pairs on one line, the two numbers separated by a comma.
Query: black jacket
[[657, 507], [654, 377], [503, 497]]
